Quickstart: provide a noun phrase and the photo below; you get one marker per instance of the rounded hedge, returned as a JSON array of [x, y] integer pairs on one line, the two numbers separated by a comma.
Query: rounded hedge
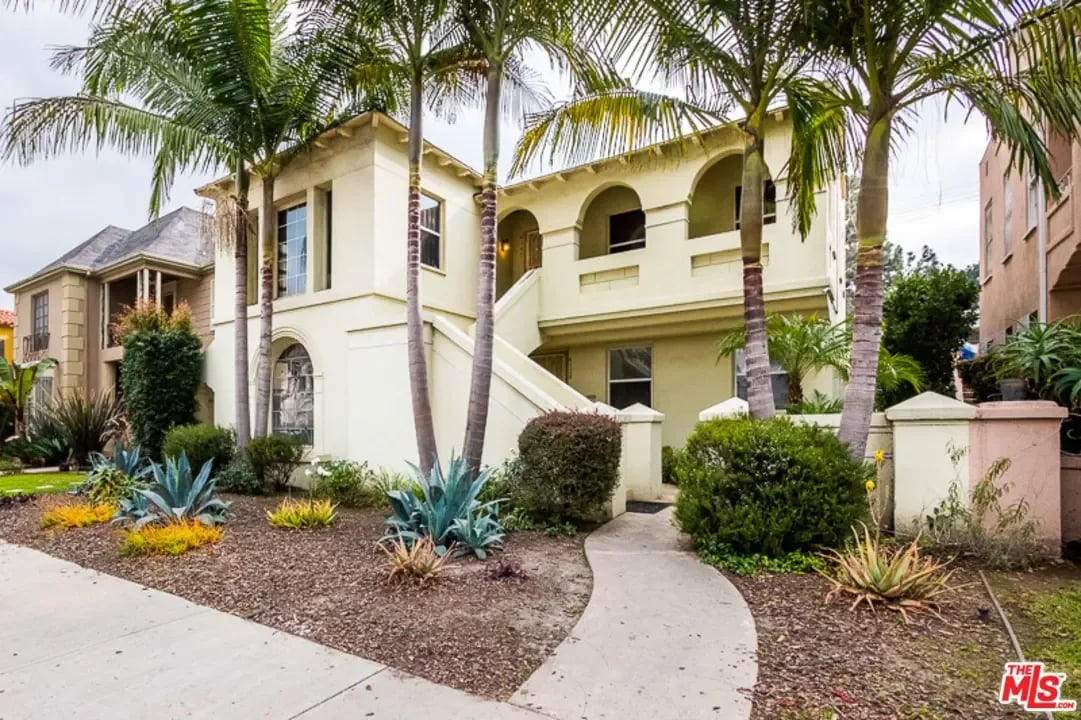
[[567, 466], [201, 443], [768, 486]]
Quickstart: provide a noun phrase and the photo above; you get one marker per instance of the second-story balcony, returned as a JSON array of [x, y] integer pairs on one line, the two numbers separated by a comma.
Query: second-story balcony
[[35, 346]]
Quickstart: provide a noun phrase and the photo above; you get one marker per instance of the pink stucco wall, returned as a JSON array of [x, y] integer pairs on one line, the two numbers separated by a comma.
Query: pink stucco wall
[[1028, 434]]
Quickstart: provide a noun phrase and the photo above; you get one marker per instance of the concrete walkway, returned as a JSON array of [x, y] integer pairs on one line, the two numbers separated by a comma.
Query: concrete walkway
[[663, 636], [75, 643]]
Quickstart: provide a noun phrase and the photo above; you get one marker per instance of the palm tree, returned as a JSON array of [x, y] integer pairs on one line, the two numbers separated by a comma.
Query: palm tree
[[197, 85], [415, 44], [502, 32], [799, 345], [17, 386], [1013, 61], [750, 55]]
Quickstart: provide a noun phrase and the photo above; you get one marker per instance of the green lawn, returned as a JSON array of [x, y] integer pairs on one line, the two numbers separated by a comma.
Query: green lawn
[[40, 482]]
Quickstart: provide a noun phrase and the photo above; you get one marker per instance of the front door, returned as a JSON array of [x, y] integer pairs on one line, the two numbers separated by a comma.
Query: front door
[[532, 250]]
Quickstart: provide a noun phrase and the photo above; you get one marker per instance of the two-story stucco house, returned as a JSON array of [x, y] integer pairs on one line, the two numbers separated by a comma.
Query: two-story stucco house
[[66, 310], [615, 281]]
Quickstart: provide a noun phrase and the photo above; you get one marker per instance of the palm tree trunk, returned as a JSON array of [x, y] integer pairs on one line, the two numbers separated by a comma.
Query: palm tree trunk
[[872, 210], [481, 382], [267, 229], [418, 363], [240, 309], [759, 385], [795, 389]]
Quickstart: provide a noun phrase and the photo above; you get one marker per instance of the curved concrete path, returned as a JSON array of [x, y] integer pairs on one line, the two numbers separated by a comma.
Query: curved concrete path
[[663, 636]]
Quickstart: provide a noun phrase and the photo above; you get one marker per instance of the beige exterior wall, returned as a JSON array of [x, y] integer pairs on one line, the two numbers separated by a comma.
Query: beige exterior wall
[[1009, 249]]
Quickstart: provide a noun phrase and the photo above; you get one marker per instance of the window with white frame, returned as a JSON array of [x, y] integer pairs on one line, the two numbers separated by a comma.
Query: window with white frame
[[630, 377], [293, 251], [1007, 216], [777, 376], [431, 232], [1032, 203], [769, 203], [293, 409], [40, 394]]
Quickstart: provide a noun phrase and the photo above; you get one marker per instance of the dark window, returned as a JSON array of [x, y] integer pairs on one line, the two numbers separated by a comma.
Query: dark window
[[630, 377], [39, 310], [627, 231], [3, 347], [293, 251], [431, 232], [330, 236], [769, 203], [778, 380]]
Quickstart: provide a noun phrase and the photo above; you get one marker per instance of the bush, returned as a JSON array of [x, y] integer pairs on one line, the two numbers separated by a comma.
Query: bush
[[275, 458], [10, 466], [172, 539], [162, 371], [84, 422], [108, 484], [568, 466], [239, 477], [978, 375], [669, 458], [722, 556], [302, 514], [768, 486], [201, 443], [347, 483]]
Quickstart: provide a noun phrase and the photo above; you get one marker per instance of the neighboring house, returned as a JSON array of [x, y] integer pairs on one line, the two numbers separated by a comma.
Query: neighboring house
[[7, 335], [66, 310], [615, 280], [1011, 258]]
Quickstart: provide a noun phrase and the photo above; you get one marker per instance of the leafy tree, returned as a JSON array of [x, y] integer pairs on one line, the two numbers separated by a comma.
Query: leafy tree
[[1013, 61], [163, 359], [746, 55], [928, 313], [17, 385]]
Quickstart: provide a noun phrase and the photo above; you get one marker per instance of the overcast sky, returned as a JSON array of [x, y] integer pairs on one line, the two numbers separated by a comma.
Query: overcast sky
[[52, 206]]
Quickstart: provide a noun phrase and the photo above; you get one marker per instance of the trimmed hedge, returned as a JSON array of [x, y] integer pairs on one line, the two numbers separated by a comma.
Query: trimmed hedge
[[768, 486], [274, 458], [567, 467], [163, 359], [201, 443]]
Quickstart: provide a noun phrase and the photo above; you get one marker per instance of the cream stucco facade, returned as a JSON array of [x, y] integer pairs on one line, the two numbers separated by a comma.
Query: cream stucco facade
[[639, 253]]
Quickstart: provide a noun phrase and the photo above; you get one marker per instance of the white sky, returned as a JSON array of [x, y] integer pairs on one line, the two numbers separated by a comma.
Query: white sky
[[52, 206]]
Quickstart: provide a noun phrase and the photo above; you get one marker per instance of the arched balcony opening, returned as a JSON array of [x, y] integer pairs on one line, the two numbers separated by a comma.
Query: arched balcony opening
[[715, 202], [519, 249]]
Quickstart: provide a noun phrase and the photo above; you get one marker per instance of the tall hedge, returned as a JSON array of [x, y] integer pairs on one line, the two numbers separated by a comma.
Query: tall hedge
[[161, 372]]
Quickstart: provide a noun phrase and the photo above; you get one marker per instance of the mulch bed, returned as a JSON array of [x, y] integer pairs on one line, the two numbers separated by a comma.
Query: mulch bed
[[818, 661], [477, 634]]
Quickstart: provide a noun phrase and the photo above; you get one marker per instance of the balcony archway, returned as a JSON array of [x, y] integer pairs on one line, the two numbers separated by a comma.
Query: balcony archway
[[519, 249], [613, 222]]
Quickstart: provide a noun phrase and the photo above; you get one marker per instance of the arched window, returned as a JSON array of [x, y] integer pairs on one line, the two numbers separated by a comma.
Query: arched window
[[293, 411]]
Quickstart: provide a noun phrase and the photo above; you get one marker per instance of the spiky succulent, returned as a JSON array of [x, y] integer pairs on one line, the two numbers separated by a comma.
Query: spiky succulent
[[176, 494]]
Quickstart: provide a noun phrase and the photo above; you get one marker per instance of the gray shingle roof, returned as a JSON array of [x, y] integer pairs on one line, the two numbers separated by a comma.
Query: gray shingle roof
[[176, 237]]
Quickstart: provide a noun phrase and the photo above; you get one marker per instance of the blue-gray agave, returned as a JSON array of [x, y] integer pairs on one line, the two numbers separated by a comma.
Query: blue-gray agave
[[446, 509], [176, 494]]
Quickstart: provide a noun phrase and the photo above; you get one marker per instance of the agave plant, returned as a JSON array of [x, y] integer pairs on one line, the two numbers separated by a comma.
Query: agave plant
[[898, 578], [114, 479], [446, 510], [176, 494], [131, 462]]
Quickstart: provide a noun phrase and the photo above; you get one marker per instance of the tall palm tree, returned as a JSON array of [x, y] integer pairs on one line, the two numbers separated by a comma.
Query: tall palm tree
[[502, 32], [414, 44], [1013, 61], [751, 55], [197, 85]]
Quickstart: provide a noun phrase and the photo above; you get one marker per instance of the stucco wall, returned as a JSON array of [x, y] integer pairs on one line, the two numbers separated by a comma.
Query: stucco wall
[[713, 206]]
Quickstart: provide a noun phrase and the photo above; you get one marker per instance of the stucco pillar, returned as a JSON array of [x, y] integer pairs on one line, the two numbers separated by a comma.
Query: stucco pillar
[[640, 459], [1027, 433], [1071, 498], [931, 453]]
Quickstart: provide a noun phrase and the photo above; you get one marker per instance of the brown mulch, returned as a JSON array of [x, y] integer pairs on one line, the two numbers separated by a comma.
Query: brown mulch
[[819, 661], [468, 631]]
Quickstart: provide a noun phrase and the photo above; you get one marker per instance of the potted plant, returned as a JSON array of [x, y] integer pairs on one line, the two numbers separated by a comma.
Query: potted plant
[[1029, 359]]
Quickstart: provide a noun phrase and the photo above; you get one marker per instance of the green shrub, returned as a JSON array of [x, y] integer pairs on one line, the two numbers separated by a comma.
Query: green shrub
[[722, 556], [669, 458], [768, 486], [10, 465], [274, 458], [162, 371], [978, 375], [239, 477], [347, 483], [201, 443], [568, 466], [84, 422]]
